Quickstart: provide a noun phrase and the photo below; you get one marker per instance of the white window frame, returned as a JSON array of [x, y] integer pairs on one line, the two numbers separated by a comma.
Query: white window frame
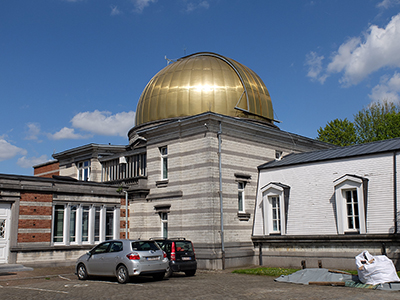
[[164, 162], [164, 224], [268, 192], [80, 208], [83, 167], [241, 196], [275, 217], [343, 185]]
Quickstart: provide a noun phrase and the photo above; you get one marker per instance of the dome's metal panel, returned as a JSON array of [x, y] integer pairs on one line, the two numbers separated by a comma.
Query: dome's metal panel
[[204, 82]]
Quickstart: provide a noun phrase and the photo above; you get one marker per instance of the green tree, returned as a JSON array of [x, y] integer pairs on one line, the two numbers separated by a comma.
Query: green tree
[[379, 121], [338, 132]]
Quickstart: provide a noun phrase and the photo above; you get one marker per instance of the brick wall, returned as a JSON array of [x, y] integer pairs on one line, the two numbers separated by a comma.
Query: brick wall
[[34, 224], [47, 170]]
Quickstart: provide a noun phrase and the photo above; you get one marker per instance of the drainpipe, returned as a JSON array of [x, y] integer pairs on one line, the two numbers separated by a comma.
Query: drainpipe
[[220, 197], [395, 191], [126, 214]]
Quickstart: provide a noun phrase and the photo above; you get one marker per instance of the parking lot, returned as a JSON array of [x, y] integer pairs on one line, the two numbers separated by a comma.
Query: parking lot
[[61, 283]]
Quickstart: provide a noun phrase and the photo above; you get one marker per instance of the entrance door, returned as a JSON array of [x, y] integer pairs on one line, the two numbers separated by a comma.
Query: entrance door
[[5, 221]]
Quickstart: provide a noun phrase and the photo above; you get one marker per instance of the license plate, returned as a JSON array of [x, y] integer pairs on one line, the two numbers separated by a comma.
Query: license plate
[[186, 258], [153, 258]]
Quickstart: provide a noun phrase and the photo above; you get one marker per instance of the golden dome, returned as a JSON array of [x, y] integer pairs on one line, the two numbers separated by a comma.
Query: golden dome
[[204, 82]]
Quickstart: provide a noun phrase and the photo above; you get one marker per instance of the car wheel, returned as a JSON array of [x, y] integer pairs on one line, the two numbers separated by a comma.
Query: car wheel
[[168, 272], [158, 276], [122, 274], [82, 273], [190, 273]]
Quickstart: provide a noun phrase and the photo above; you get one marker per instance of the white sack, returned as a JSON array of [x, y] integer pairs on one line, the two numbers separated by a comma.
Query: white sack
[[375, 269]]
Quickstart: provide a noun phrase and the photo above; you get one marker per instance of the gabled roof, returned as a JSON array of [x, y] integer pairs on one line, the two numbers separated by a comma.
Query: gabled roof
[[335, 153]]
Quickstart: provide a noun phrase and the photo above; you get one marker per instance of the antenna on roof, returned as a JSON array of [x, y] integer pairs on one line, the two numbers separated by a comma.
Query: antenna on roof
[[184, 50]]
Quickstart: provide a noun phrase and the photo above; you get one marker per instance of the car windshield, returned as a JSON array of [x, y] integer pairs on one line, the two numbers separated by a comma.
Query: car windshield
[[144, 246]]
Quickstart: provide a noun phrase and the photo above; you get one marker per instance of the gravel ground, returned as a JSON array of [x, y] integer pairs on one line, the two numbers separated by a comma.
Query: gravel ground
[[61, 283]]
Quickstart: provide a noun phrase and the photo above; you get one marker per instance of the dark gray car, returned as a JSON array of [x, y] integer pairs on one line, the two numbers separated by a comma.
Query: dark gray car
[[123, 258]]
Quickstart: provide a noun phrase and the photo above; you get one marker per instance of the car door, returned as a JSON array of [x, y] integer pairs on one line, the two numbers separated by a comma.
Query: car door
[[112, 257], [95, 262]]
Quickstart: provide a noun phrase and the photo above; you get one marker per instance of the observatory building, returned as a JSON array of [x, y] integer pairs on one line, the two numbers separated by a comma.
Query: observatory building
[[203, 125]]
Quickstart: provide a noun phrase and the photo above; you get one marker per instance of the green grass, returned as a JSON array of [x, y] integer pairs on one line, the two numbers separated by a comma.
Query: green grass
[[276, 272]]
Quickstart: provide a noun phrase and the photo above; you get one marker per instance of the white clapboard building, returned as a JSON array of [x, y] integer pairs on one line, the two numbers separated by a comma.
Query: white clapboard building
[[322, 208]]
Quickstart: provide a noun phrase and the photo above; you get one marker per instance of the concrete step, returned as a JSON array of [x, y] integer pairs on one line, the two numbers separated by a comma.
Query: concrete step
[[12, 268]]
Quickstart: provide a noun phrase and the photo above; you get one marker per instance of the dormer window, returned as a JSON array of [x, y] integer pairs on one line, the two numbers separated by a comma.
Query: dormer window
[[275, 207], [351, 204]]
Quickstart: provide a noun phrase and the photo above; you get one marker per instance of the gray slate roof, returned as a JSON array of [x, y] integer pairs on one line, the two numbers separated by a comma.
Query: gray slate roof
[[335, 153]]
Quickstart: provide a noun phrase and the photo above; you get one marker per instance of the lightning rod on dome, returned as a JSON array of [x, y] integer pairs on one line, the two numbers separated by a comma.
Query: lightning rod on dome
[[169, 60]]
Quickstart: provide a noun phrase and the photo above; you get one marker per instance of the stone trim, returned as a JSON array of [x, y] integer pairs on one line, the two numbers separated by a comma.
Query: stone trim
[[173, 194], [353, 238]]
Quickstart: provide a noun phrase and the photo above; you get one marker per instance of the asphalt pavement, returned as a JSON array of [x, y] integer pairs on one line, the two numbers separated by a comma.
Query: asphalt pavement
[[62, 283]]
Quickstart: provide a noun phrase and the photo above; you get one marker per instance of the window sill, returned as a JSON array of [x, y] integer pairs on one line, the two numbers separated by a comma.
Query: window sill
[[162, 183], [349, 232], [243, 216]]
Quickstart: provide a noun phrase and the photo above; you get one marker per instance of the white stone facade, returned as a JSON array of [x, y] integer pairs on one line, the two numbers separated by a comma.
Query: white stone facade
[[191, 196]]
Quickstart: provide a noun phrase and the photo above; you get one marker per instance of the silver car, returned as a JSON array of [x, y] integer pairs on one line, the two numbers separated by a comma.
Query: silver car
[[123, 258]]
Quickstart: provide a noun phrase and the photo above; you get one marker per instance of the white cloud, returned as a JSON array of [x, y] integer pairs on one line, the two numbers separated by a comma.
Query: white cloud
[[104, 123], [141, 4], [357, 58], [97, 122], [193, 6], [67, 133], [314, 62], [115, 11], [8, 151], [27, 163], [387, 3], [388, 89], [33, 131]]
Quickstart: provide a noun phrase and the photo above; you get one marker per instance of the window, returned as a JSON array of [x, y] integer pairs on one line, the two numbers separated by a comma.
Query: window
[[164, 162], [163, 210], [278, 154], [164, 224], [97, 224], [353, 221], [58, 224], [102, 248], [124, 167], [84, 170], [275, 199], [72, 224], [276, 214], [116, 247], [84, 224], [350, 198], [145, 246], [109, 223], [241, 186]]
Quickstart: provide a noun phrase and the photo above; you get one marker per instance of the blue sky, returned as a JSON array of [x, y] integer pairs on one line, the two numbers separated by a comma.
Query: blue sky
[[72, 71]]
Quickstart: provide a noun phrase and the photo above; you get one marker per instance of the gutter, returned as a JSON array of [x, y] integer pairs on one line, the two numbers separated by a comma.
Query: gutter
[[395, 191]]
